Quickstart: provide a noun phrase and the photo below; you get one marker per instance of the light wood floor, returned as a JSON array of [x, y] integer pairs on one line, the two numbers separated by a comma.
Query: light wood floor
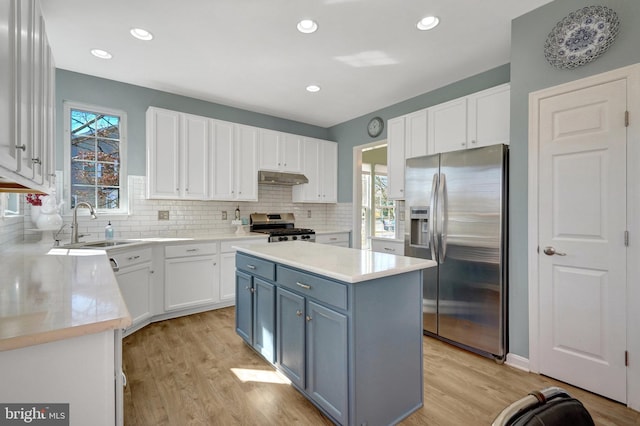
[[179, 373]]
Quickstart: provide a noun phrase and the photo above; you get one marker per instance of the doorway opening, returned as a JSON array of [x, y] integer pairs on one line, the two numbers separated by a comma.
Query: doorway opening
[[374, 211]]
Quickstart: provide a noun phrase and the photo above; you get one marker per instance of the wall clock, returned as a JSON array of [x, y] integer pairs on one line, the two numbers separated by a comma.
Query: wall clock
[[581, 37], [375, 126]]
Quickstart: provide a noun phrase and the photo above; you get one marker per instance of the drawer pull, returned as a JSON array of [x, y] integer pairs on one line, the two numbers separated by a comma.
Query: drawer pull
[[191, 250], [305, 286], [299, 313], [251, 266], [133, 257], [389, 249], [333, 239]]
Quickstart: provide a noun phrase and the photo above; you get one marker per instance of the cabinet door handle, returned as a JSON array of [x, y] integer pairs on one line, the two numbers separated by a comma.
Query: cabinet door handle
[[389, 249], [305, 286], [299, 313], [22, 147], [251, 266], [133, 257], [191, 250], [309, 318]]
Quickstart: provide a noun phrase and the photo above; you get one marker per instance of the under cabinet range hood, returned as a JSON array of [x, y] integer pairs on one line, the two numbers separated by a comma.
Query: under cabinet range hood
[[279, 178]]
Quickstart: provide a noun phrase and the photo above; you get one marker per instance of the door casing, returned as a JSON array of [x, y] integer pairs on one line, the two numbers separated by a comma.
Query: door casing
[[632, 75]]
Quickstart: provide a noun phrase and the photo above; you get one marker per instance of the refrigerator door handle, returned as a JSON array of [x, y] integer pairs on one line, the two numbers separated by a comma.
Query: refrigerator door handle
[[432, 217], [443, 217]]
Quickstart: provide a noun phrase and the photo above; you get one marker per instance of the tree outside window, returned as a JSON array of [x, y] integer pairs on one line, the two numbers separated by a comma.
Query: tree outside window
[[96, 143]]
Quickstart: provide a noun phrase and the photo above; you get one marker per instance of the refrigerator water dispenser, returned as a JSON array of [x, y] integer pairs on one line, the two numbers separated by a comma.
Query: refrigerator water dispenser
[[419, 226]]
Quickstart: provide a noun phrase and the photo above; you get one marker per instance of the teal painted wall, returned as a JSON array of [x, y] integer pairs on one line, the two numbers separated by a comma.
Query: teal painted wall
[[531, 72], [134, 100], [354, 132]]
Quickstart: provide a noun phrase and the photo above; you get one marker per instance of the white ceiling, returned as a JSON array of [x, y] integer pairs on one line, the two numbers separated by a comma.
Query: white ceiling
[[248, 53]]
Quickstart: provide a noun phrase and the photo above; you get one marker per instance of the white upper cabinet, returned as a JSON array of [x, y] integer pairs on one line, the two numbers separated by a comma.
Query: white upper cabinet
[[415, 144], [280, 152], [448, 126], [489, 116], [222, 159], [320, 166], [479, 119], [246, 164], [177, 150], [406, 138], [27, 151], [163, 154], [194, 153], [8, 151], [396, 157]]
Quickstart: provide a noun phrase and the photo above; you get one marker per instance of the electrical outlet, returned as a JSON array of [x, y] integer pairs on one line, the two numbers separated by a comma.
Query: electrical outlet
[[163, 214], [224, 215], [308, 213]]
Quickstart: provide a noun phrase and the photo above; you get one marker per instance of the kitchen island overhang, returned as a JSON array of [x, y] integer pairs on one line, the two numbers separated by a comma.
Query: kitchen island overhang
[[344, 325]]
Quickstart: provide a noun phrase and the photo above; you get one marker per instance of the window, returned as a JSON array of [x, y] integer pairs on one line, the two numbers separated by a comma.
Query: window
[[9, 204], [95, 143]]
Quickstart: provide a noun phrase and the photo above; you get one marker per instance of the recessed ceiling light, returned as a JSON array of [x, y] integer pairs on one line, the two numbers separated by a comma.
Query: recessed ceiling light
[[428, 23], [102, 54], [307, 26], [313, 88], [141, 34]]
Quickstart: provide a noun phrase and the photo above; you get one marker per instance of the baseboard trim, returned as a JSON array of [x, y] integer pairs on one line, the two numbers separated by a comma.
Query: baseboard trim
[[517, 361]]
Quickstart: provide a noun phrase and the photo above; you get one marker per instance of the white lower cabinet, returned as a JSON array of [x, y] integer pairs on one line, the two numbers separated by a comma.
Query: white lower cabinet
[[228, 268], [341, 239], [134, 273], [191, 276]]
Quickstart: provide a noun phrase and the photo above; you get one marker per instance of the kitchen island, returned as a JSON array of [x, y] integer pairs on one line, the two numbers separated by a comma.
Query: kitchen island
[[61, 321], [344, 325]]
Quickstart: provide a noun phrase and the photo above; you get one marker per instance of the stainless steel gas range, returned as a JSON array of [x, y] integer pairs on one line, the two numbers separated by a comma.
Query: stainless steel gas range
[[280, 227]]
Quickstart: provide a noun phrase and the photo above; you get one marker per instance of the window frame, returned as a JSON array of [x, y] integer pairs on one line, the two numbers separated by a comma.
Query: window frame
[[124, 192]]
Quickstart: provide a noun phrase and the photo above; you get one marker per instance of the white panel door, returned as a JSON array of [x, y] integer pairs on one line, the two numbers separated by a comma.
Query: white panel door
[[163, 153], [269, 156], [246, 164], [448, 126], [416, 134], [195, 144], [395, 157], [291, 152], [582, 214], [222, 157]]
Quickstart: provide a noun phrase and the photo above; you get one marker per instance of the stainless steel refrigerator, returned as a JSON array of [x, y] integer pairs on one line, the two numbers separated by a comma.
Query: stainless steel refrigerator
[[456, 206]]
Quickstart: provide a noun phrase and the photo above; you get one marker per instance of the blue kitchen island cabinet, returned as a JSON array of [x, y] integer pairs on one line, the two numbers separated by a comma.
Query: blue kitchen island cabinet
[[348, 326]]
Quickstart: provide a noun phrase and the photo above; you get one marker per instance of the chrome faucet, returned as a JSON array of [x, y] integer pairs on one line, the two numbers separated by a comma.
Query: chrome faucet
[[74, 224]]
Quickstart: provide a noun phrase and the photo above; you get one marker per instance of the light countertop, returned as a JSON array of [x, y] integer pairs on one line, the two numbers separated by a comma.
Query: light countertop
[[340, 263], [53, 294]]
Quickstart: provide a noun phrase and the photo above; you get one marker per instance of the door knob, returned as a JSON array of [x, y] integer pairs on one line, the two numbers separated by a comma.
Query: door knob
[[550, 251]]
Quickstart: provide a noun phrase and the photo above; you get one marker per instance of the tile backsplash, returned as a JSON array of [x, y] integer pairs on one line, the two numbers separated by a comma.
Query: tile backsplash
[[189, 218]]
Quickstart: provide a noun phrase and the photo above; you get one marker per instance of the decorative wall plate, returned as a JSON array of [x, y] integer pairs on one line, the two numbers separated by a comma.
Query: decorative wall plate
[[581, 37]]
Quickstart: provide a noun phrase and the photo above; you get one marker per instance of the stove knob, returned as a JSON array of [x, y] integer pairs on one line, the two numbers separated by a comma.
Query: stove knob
[[295, 238], [283, 238], [305, 237]]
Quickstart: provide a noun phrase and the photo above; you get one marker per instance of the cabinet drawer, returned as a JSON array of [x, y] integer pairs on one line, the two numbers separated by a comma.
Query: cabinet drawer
[[319, 288], [132, 257], [190, 250], [333, 238], [390, 247], [255, 266]]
